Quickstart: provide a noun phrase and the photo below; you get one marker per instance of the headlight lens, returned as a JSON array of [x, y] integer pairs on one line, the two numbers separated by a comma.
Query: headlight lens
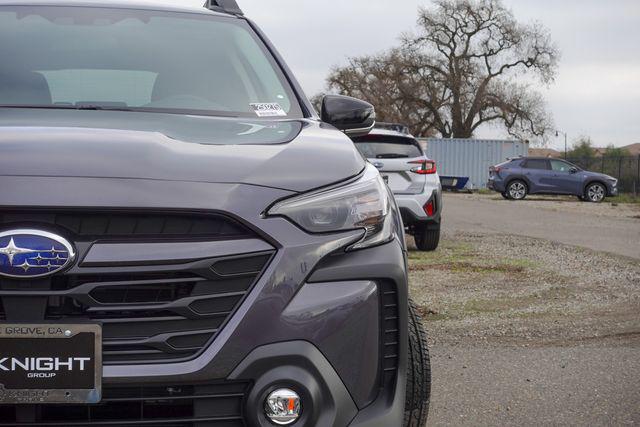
[[365, 204]]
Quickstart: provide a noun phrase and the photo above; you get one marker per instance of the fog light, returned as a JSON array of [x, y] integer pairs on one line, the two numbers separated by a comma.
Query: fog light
[[283, 407]]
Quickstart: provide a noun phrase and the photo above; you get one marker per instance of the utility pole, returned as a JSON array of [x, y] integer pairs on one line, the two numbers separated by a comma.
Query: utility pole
[[558, 132]]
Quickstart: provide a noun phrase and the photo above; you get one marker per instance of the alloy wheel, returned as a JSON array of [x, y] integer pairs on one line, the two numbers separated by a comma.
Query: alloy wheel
[[517, 191], [596, 193]]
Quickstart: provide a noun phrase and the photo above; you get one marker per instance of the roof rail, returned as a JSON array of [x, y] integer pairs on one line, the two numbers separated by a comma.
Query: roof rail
[[227, 6]]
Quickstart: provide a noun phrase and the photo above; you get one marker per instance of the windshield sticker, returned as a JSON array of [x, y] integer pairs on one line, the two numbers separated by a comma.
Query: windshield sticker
[[271, 109]]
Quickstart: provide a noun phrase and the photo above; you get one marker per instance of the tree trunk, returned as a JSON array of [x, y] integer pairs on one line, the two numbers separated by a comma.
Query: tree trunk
[[462, 133]]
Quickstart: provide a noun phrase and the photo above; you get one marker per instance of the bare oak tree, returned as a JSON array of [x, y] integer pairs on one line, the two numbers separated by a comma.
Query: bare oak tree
[[469, 63]]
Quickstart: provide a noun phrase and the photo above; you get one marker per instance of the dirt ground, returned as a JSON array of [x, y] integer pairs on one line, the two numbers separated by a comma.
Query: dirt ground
[[519, 290], [609, 227], [529, 331]]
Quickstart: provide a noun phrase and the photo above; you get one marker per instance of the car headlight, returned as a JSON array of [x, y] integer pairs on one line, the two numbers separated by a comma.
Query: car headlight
[[363, 204]]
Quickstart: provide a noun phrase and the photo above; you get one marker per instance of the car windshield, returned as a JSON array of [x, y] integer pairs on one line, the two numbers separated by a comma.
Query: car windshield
[[138, 60], [388, 147]]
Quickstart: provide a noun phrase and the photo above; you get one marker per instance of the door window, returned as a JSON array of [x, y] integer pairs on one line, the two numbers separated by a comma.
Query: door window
[[537, 164], [560, 166]]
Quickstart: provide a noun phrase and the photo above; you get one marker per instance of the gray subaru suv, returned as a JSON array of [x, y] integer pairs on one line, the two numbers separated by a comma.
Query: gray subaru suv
[[184, 241]]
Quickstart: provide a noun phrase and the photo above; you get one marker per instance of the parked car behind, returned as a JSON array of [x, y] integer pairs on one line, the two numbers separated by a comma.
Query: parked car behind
[[412, 177], [517, 178]]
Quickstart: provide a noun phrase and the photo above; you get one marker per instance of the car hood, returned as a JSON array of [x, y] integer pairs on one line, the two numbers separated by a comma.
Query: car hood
[[294, 155], [589, 174]]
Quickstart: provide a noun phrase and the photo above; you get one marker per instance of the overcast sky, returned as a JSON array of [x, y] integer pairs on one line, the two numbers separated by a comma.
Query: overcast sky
[[596, 93]]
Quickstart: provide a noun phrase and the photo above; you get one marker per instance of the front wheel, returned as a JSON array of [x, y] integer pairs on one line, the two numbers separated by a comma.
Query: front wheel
[[517, 190], [596, 192], [418, 373], [427, 239]]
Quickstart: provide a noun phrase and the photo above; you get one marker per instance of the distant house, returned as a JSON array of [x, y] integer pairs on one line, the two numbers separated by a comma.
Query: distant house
[[634, 149], [545, 152]]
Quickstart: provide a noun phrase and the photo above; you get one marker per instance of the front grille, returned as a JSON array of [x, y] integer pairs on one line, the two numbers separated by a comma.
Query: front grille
[[149, 313], [149, 318], [215, 405], [390, 334], [136, 225]]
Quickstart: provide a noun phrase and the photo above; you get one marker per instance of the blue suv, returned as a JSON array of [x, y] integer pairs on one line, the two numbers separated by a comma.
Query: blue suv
[[517, 178]]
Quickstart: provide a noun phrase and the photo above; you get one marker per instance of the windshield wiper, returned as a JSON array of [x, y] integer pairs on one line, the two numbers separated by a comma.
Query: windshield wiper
[[102, 107], [392, 156], [68, 107], [97, 107]]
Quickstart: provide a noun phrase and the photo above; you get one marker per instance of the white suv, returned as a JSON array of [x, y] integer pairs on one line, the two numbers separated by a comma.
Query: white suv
[[412, 177]]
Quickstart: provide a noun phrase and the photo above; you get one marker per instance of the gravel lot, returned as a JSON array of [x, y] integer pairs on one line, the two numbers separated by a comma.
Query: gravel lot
[[603, 227], [529, 331], [513, 289]]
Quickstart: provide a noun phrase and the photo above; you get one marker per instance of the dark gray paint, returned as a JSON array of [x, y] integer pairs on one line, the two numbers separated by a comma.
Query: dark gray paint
[[167, 253], [314, 158], [298, 255], [348, 314], [98, 160]]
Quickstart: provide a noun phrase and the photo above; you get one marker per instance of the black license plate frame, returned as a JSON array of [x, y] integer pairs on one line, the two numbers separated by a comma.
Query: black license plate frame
[[50, 363]]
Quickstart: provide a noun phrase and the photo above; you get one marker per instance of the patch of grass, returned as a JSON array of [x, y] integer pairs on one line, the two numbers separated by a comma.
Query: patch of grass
[[461, 257], [485, 191], [448, 251], [470, 267], [515, 304], [430, 315], [479, 306], [625, 198], [521, 262], [464, 262]]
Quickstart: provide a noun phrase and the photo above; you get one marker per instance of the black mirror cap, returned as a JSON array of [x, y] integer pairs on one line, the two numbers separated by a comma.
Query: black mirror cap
[[573, 170], [350, 115]]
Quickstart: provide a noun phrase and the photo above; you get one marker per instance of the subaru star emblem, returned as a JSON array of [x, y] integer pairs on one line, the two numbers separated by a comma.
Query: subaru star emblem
[[28, 254]]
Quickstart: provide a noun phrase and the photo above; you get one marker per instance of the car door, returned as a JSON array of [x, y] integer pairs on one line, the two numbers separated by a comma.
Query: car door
[[538, 173], [396, 157], [566, 180]]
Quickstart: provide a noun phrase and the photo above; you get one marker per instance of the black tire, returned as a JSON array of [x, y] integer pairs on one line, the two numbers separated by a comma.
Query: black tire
[[505, 195], [582, 199], [595, 193], [418, 373], [427, 240], [517, 190]]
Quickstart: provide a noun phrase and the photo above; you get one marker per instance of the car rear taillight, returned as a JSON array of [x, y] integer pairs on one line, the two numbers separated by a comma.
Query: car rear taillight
[[427, 167], [494, 170]]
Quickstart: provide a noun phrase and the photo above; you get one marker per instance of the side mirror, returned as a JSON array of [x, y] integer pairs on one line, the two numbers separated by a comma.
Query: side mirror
[[573, 170], [352, 116]]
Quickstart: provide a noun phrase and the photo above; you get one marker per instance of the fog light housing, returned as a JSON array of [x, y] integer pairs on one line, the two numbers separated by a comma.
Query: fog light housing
[[283, 407]]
